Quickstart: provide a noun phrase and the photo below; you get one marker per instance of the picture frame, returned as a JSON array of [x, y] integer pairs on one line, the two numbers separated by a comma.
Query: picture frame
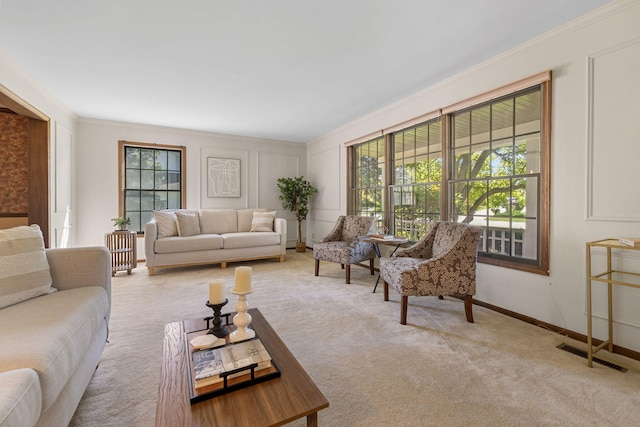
[[223, 177]]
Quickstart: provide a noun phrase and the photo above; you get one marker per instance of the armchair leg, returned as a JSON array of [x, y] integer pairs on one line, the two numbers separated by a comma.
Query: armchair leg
[[317, 266], [348, 273], [371, 267], [468, 308], [403, 309], [386, 290]]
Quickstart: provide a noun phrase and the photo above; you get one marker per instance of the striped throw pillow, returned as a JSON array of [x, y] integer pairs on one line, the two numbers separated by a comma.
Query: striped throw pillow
[[166, 222], [263, 221], [24, 269]]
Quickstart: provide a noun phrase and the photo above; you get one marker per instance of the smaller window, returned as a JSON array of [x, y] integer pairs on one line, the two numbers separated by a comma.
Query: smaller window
[[367, 180], [152, 178], [415, 192]]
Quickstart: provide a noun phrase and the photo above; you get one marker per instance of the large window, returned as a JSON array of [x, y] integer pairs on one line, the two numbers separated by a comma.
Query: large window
[[484, 161], [495, 174], [152, 178]]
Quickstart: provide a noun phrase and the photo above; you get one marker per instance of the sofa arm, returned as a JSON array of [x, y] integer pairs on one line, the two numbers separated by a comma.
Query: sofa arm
[[83, 266], [150, 237], [280, 227]]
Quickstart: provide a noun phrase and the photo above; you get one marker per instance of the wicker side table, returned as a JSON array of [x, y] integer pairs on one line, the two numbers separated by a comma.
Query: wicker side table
[[122, 245]]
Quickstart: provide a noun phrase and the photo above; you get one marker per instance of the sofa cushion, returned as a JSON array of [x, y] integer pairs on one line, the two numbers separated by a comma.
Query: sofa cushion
[[200, 242], [245, 217], [249, 239], [218, 221], [188, 224], [166, 223], [24, 269], [263, 221], [20, 398], [58, 337]]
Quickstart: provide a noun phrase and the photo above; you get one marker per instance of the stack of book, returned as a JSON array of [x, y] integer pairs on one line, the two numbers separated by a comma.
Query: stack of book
[[233, 361], [382, 236]]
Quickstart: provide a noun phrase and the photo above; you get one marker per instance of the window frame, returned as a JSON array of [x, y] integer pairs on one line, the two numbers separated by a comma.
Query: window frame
[[122, 145], [543, 80]]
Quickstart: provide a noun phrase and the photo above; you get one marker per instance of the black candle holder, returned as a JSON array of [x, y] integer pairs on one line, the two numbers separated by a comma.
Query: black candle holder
[[218, 329]]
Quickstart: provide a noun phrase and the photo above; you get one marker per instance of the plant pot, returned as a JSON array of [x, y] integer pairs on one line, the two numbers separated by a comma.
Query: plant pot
[[301, 246]]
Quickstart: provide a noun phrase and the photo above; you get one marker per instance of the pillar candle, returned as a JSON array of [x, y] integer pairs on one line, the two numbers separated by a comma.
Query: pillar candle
[[243, 279], [216, 292]]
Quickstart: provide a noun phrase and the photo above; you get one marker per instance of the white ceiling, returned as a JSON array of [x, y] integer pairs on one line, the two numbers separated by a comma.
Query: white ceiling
[[290, 70]]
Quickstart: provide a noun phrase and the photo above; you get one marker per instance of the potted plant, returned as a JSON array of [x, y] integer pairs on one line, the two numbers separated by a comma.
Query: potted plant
[[295, 194], [121, 222]]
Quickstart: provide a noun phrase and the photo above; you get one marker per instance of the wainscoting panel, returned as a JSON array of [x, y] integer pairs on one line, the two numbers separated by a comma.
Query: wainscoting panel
[[613, 139], [325, 170], [223, 202], [272, 166]]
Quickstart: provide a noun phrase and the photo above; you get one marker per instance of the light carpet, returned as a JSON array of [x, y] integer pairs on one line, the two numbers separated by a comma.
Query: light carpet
[[438, 370]]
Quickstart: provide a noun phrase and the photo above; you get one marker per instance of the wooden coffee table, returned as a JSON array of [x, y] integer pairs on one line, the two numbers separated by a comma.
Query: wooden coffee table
[[272, 403]]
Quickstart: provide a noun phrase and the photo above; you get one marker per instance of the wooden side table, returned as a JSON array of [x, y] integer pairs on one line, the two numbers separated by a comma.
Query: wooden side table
[[122, 245], [610, 277]]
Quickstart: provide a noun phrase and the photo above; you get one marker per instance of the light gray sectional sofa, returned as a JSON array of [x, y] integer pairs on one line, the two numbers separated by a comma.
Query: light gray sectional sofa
[[211, 236], [50, 340]]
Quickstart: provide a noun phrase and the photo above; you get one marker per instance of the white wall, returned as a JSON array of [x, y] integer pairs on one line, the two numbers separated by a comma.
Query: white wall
[[62, 146], [262, 162], [610, 39]]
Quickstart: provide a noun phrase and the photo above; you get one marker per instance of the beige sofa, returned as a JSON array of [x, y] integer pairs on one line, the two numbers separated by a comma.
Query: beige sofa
[[51, 344], [212, 236]]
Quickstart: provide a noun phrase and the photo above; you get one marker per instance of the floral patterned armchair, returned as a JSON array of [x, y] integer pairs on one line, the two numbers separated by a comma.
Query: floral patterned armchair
[[341, 245], [442, 263]]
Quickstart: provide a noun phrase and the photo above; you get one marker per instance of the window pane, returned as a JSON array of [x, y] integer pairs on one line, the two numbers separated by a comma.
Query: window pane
[[174, 180], [461, 131], [146, 200], [502, 119], [146, 159], [161, 201], [527, 156], [480, 120], [146, 179], [528, 113], [134, 216], [499, 201], [132, 200], [477, 197], [461, 163], [145, 217], [132, 157], [173, 201], [502, 161], [160, 180], [132, 178], [161, 160], [174, 160], [480, 159]]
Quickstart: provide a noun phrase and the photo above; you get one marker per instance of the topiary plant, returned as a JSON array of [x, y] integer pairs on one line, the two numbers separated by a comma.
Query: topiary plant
[[295, 194]]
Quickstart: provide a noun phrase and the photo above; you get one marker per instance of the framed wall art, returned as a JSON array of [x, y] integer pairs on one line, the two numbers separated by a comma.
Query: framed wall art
[[223, 177]]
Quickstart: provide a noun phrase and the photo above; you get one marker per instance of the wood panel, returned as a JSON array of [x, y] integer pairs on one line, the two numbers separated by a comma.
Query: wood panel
[[39, 175]]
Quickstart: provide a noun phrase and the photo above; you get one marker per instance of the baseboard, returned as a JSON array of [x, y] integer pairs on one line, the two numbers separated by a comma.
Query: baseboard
[[557, 329], [553, 328]]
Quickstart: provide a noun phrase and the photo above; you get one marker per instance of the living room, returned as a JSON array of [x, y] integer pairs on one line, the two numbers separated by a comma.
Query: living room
[[592, 159]]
